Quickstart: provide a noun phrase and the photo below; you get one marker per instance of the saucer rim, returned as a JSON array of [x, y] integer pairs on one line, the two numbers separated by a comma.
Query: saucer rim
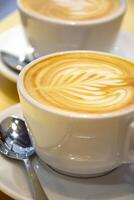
[[4, 70]]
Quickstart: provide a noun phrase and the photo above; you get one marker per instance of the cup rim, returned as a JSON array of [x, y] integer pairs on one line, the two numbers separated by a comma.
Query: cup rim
[[118, 13], [27, 97]]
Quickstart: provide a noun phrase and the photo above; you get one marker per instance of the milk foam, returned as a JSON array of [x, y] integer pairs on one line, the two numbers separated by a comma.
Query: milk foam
[[82, 83], [73, 9]]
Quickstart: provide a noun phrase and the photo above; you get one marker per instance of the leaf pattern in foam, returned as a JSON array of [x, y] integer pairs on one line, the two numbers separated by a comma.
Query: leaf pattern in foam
[[84, 86]]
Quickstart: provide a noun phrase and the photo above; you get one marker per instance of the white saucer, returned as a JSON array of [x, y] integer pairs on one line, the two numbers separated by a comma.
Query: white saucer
[[14, 42], [117, 185]]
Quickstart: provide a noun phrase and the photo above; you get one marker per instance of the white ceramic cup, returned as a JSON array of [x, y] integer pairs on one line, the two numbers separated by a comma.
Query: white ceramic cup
[[47, 35], [74, 143]]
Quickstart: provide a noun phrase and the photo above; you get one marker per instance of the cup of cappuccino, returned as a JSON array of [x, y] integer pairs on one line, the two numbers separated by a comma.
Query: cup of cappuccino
[[57, 25], [79, 107]]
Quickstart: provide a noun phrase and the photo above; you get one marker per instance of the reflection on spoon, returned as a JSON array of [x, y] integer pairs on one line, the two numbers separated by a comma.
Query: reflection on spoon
[[15, 143]]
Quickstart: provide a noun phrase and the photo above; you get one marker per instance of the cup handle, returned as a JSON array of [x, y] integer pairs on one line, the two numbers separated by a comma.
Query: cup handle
[[129, 145]]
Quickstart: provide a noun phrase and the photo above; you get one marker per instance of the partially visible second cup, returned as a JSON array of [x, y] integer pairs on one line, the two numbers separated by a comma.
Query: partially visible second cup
[[56, 25]]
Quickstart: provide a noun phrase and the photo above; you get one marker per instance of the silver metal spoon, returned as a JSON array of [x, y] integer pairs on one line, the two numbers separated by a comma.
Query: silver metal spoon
[[17, 63], [15, 143]]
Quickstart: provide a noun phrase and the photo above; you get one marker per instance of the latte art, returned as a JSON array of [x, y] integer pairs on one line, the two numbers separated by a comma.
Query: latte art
[[82, 82], [73, 9]]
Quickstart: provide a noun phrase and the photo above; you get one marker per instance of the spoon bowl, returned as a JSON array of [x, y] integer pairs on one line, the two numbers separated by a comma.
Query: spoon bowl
[[15, 143], [14, 138]]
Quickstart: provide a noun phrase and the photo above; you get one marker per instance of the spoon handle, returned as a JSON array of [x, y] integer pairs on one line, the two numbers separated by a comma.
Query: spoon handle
[[37, 190]]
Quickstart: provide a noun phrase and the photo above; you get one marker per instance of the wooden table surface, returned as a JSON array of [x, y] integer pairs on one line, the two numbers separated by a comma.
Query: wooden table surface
[[8, 92]]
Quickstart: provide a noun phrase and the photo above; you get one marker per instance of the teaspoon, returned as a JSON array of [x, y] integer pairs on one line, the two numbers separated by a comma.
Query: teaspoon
[[15, 143], [17, 63]]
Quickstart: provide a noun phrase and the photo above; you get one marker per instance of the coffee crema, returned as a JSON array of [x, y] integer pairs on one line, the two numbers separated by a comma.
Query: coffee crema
[[82, 82], [74, 10]]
